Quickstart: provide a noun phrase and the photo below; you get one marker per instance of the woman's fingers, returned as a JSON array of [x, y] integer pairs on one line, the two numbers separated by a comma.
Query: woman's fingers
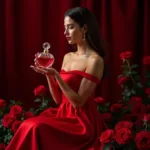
[[36, 63], [39, 70], [36, 55]]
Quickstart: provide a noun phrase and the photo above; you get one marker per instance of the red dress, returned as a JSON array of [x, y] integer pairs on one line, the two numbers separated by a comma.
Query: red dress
[[63, 128]]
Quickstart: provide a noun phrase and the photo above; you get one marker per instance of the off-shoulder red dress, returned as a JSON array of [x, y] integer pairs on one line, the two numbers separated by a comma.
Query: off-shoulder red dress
[[63, 128]]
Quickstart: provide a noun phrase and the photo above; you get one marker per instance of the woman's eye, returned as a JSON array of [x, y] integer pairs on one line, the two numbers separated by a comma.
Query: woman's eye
[[71, 27]]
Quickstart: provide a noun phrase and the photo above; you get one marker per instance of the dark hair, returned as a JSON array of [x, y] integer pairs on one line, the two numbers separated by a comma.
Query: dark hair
[[83, 16]]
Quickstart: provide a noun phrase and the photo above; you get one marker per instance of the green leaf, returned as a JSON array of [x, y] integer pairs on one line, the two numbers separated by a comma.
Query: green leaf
[[121, 75], [127, 73], [106, 104], [125, 66], [139, 85], [19, 103], [32, 110], [147, 84], [147, 74], [133, 91], [134, 66], [44, 104], [137, 77], [128, 93], [133, 72], [37, 100], [106, 147], [12, 102], [101, 109]]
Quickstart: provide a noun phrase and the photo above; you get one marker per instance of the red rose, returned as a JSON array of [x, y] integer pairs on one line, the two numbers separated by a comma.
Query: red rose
[[16, 110], [16, 125], [148, 108], [147, 91], [99, 100], [123, 124], [123, 80], [126, 55], [146, 118], [28, 115], [146, 60], [2, 146], [107, 117], [138, 109], [143, 140], [123, 136], [2, 103], [115, 107], [107, 136], [8, 120], [40, 90], [135, 99]]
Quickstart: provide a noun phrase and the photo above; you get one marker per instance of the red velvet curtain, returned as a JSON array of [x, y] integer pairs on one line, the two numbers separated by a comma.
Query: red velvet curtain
[[26, 24]]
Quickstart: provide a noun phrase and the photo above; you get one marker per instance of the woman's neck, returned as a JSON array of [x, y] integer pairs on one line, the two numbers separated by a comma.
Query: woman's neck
[[83, 48]]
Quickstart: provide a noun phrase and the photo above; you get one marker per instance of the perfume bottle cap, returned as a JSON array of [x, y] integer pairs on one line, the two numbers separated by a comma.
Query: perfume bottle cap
[[46, 46]]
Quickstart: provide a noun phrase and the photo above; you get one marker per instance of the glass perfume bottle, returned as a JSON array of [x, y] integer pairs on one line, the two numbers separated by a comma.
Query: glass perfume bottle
[[45, 59]]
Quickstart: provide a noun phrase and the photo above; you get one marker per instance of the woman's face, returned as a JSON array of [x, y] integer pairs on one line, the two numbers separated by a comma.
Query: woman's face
[[73, 32]]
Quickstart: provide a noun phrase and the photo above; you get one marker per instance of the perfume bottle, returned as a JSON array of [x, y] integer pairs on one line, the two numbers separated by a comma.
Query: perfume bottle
[[45, 59]]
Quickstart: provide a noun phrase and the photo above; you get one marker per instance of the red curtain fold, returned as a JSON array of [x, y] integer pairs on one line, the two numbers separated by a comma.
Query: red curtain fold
[[26, 24]]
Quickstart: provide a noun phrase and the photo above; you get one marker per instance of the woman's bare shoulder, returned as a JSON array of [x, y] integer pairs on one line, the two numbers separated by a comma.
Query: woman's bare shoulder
[[95, 58], [68, 55]]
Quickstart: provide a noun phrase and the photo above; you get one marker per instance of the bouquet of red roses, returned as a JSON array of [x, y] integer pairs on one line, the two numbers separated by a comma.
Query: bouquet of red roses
[[12, 114], [128, 119]]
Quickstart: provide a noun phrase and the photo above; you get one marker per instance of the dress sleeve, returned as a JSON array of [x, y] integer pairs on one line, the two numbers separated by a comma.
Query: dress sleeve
[[87, 76]]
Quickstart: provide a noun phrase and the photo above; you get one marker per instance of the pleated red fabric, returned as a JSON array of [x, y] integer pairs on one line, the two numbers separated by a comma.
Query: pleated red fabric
[[63, 128]]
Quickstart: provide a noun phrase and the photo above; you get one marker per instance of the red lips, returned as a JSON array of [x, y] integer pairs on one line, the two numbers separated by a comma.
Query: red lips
[[68, 38]]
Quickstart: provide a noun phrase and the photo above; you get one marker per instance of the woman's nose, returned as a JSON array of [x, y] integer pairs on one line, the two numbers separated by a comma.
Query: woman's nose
[[66, 32]]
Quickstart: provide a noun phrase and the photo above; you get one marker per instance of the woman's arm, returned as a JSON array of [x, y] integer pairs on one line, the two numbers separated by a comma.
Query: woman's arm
[[54, 89]]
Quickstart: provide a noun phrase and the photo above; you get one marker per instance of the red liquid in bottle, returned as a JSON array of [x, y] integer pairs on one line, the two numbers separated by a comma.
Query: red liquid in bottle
[[45, 62]]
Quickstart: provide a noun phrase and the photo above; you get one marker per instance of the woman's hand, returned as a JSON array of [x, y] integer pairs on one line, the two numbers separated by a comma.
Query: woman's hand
[[45, 71]]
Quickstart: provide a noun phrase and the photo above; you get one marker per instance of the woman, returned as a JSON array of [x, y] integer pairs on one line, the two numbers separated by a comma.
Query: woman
[[76, 124]]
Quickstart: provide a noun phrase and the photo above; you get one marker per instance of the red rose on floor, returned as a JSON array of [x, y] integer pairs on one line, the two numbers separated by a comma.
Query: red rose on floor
[[40, 90], [16, 110], [146, 60], [99, 100], [16, 125], [147, 91], [138, 109], [107, 136], [123, 136], [28, 115], [143, 140], [8, 119], [126, 55], [146, 118], [123, 124], [107, 117], [2, 103], [123, 80], [135, 99], [115, 107], [2, 146]]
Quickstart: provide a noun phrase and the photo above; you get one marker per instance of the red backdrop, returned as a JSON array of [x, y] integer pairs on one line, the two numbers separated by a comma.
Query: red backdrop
[[26, 24]]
